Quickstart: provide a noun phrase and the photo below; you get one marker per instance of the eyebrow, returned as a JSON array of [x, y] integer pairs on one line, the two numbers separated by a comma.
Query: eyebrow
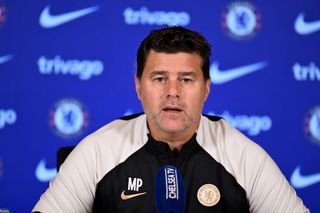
[[160, 72], [187, 73], [182, 73]]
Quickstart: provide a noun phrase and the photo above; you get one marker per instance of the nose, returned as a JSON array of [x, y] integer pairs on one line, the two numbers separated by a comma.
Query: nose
[[173, 89]]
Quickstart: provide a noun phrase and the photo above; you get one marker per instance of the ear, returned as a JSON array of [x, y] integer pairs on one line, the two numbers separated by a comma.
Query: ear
[[207, 88], [137, 83]]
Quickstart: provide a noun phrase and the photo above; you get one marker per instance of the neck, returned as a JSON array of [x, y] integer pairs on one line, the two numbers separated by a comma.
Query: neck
[[174, 140]]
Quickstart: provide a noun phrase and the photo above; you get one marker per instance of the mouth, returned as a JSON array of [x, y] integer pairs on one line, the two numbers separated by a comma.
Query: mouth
[[172, 109]]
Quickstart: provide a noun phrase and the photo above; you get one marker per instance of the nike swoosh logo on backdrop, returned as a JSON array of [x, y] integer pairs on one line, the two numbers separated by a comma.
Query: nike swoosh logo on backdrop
[[128, 112], [127, 197], [221, 77], [304, 28], [301, 181], [43, 174], [48, 20], [5, 58]]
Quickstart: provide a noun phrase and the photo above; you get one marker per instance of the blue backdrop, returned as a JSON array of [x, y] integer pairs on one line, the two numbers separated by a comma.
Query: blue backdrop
[[67, 68]]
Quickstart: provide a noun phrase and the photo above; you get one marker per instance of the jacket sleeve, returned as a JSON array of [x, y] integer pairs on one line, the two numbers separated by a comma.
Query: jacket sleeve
[[73, 189], [266, 186], [267, 189]]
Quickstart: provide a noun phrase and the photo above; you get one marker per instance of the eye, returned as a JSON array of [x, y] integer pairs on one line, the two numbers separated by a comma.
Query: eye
[[159, 79], [186, 80]]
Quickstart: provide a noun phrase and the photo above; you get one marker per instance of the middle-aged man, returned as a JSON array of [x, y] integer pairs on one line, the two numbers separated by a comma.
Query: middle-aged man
[[113, 170]]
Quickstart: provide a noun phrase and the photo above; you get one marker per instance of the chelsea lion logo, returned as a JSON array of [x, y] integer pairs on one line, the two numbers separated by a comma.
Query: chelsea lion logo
[[68, 118], [312, 125], [241, 20]]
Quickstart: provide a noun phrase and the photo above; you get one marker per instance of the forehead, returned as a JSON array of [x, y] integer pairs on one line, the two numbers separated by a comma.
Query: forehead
[[173, 62]]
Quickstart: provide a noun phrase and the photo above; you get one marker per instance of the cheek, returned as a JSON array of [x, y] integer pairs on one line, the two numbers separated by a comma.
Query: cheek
[[196, 100], [152, 94], [149, 100]]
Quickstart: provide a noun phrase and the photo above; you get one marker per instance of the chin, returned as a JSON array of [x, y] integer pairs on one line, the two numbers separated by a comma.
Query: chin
[[171, 127]]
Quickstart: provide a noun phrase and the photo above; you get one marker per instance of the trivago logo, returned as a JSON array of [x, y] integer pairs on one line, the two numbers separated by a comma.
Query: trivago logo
[[251, 124], [84, 69], [306, 73], [144, 16], [7, 116]]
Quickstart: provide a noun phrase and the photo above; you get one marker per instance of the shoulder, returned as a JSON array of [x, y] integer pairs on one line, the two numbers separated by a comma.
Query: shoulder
[[227, 145], [120, 130], [113, 143], [216, 131]]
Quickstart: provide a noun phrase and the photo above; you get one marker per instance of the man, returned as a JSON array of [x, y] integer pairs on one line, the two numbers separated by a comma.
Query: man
[[113, 170]]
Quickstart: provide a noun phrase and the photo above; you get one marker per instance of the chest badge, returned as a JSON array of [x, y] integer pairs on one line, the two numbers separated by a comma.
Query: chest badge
[[208, 195]]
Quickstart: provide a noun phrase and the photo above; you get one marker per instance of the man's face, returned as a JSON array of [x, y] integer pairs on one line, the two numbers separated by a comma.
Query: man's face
[[172, 91]]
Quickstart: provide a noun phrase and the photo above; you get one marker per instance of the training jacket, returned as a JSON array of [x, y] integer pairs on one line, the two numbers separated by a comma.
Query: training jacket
[[113, 170]]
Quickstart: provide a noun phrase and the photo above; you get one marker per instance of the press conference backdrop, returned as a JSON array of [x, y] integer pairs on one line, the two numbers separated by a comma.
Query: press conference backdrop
[[67, 68]]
